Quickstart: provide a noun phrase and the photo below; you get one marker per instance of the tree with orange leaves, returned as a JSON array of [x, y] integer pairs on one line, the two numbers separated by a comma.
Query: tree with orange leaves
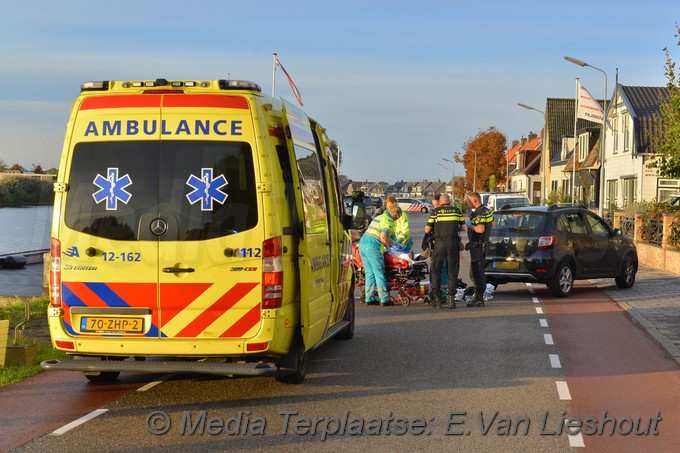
[[490, 147]]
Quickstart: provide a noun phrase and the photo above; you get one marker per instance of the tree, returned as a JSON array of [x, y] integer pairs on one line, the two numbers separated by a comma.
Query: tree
[[17, 167], [335, 152], [668, 143], [3, 167], [38, 170], [489, 147]]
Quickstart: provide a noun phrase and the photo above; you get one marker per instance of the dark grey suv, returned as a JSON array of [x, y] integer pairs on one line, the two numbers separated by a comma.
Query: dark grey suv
[[556, 245]]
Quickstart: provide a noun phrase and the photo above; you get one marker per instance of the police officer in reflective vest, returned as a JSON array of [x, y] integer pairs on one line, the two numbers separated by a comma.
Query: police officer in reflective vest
[[479, 229], [446, 221]]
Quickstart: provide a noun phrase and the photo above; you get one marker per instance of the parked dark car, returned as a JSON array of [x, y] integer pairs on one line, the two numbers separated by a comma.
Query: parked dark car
[[556, 245]]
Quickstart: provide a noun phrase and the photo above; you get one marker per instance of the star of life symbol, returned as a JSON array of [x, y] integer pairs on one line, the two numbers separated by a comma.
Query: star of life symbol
[[206, 189], [112, 189]]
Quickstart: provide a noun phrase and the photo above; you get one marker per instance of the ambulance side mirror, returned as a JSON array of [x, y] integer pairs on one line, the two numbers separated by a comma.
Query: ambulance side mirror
[[357, 215]]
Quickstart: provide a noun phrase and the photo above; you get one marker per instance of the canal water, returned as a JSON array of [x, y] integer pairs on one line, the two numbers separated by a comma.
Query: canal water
[[25, 229]]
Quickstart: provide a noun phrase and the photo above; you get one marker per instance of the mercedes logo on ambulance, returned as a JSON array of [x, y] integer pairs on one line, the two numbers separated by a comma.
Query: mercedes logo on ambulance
[[158, 226]]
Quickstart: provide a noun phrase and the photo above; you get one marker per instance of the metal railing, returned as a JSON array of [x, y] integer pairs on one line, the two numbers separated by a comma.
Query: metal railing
[[628, 226], [652, 229]]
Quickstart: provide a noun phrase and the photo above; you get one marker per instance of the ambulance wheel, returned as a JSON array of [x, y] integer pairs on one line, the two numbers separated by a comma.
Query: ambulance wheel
[[348, 332], [423, 210], [103, 376], [298, 359]]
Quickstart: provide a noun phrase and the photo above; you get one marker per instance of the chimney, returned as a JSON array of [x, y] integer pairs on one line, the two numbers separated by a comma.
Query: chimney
[[515, 143], [523, 140], [532, 136]]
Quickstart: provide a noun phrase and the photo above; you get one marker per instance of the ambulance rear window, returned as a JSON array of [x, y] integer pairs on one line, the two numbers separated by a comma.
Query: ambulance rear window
[[198, 189]]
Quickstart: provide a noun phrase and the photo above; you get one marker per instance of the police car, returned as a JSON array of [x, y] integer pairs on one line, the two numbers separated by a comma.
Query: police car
[[413, 205]]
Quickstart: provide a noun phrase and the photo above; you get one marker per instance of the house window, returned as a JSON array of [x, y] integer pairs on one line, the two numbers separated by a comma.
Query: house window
[[629, 190], [566, 186], [612, 186], [615, 123], [667, 188], [582, 147], [626, 121]]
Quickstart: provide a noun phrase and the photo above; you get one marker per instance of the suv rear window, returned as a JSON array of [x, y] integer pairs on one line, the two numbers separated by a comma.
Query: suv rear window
[[516, 222], [203, 189]]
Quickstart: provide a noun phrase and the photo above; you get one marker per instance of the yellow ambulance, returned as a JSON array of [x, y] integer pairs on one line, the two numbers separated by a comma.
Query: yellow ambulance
[[198, 227]]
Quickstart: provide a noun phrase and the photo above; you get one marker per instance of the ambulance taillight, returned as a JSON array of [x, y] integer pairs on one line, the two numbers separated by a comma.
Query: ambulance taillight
[[55, 273], [272, 273]]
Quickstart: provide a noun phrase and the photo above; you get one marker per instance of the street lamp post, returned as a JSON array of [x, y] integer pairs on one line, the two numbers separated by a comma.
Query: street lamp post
[[601, 151], [453, 181], [544, 191], [474, 176]]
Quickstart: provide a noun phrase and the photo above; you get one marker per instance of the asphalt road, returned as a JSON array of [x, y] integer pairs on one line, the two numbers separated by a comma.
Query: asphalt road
[[499, 378], [415, 363]]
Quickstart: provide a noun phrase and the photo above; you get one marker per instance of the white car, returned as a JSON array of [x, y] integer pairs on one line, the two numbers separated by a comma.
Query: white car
[[413, 205]]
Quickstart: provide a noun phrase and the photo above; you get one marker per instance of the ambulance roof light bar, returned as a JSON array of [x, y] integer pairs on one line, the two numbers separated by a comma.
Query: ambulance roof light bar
[[95, 86], [239, 85], [223, 84]]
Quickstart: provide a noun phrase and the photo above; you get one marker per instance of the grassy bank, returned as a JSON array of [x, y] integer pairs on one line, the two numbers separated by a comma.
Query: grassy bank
[[35, 331]]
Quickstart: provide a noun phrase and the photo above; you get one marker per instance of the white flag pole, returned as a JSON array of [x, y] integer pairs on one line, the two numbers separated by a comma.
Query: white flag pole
[[274, 76], [573, 154]]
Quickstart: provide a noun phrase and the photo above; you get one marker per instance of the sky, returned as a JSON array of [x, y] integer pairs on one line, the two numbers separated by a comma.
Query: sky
[[399, 85]]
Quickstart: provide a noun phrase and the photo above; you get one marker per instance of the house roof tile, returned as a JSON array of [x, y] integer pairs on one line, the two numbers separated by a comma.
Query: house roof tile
[[646, 104]]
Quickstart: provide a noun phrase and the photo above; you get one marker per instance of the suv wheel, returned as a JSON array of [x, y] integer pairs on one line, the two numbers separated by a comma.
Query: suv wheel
[[627, 277], [563, 281]]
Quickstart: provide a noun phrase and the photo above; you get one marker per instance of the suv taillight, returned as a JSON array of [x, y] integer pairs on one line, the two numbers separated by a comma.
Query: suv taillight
[[546, 242], [272, 273], [55, 273]]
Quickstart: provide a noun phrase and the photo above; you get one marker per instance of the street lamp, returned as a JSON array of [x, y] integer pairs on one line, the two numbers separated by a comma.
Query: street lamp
[[600, 152], [544, 189], [453, 181]]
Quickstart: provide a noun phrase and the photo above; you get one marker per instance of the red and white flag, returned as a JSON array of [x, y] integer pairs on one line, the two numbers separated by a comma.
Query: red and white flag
[[296, 92], [587, 107]]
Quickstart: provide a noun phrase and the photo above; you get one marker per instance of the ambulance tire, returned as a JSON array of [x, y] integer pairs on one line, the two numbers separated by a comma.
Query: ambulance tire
[[103, 376], [350, 314], [300, 358]]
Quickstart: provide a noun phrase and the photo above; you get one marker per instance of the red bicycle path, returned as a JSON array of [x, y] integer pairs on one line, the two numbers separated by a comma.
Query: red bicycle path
[[615, 370]]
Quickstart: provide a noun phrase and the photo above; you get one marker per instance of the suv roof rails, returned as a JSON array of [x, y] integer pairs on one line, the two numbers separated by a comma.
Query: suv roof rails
[[554, 206]]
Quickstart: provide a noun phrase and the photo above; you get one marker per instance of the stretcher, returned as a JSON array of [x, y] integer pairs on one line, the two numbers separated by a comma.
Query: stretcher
[[408, 278]]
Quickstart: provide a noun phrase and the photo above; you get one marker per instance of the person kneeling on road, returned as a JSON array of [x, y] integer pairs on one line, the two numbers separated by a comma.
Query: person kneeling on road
[[372, 248]]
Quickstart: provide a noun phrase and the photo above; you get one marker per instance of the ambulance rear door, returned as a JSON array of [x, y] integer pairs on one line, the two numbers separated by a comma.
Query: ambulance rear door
[[109, 277], [207, 222], [315, 247]]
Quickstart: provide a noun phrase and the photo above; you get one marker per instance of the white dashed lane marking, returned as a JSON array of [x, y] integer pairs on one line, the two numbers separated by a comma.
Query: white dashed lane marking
[[76, 423], [563, 390], [555, 361]]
